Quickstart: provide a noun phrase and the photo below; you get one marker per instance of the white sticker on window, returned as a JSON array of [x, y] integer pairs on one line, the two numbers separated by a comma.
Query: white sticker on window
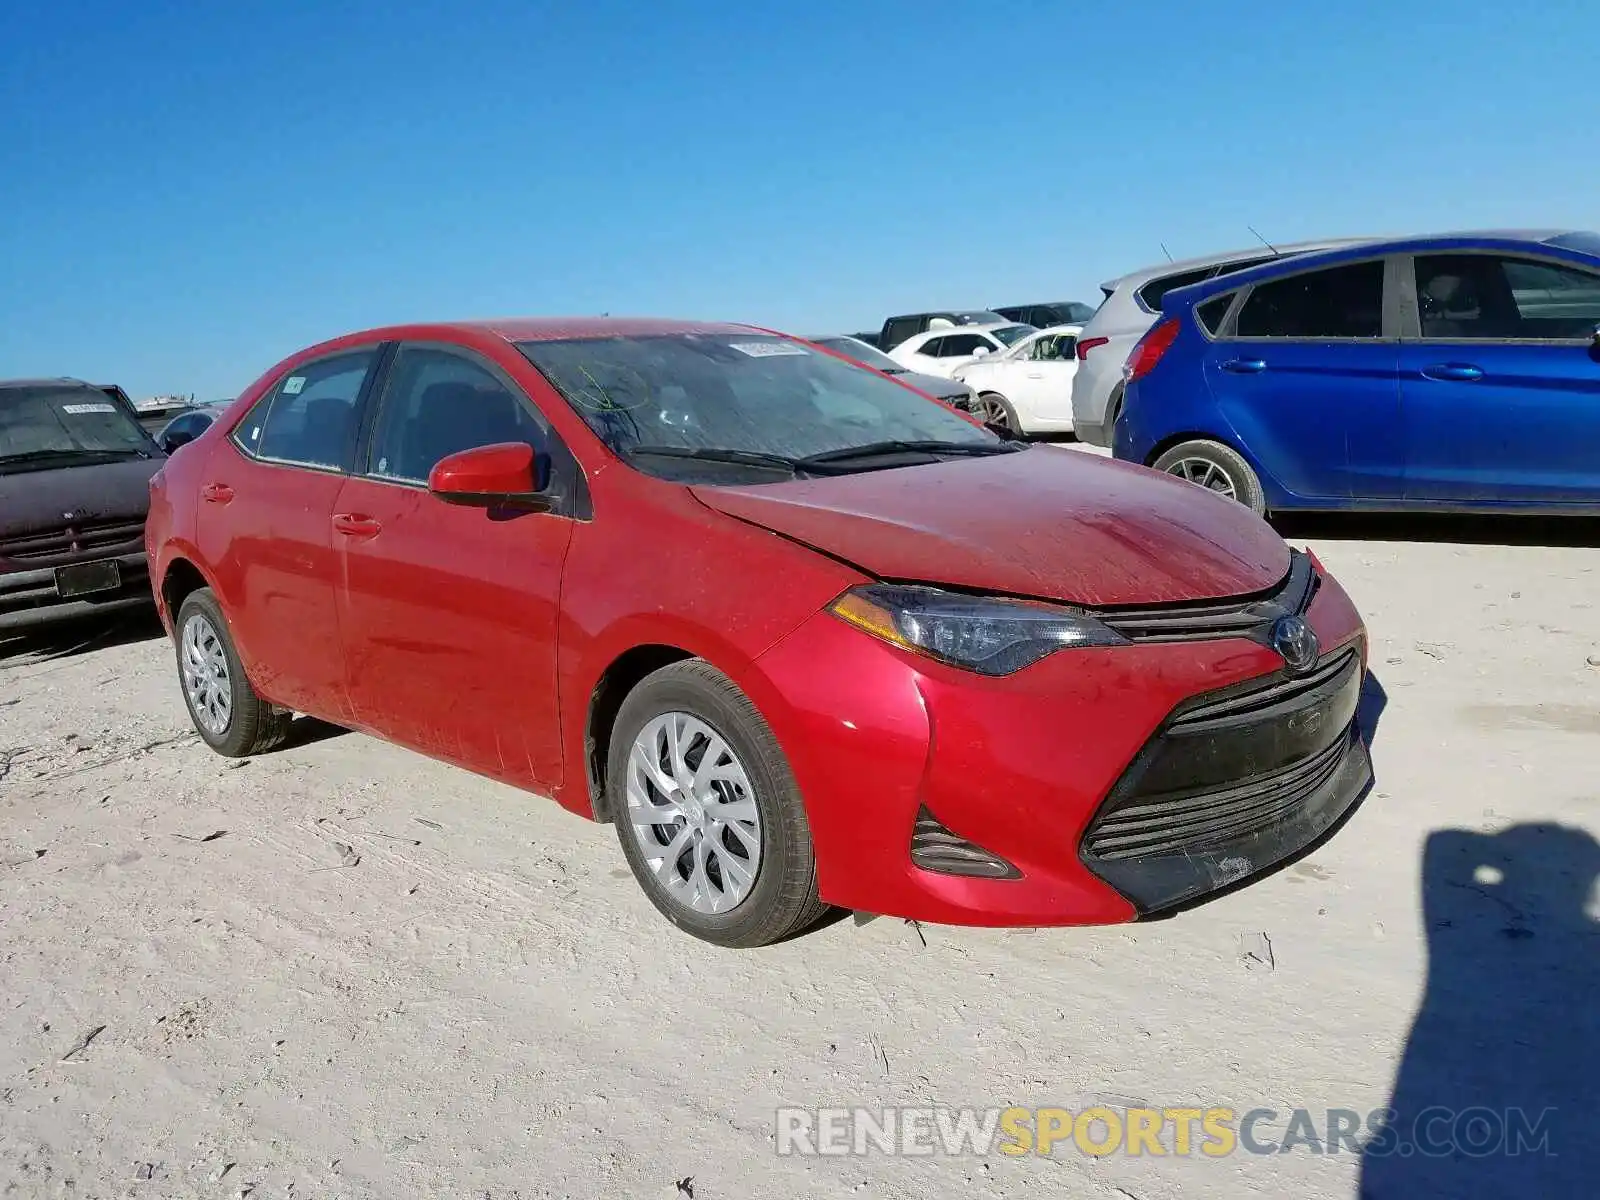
[[768, 349], [75, 409], [293, 384]]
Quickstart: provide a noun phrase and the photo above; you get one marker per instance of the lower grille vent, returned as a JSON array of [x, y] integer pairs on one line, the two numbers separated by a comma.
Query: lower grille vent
[[935, 848]]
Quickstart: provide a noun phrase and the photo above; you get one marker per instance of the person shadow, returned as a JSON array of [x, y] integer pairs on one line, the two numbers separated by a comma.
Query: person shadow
[[1497, 1088]]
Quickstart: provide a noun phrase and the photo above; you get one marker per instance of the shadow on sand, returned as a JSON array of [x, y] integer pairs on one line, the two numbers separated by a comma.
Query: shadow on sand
[[82, 636], [1497, 1089], [1466, 529]]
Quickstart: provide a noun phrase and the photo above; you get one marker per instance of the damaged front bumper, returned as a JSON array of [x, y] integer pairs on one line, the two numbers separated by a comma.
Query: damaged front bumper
[[1232, 784]]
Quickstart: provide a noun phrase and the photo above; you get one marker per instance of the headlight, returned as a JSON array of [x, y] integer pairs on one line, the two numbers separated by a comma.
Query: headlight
[[980, 633]]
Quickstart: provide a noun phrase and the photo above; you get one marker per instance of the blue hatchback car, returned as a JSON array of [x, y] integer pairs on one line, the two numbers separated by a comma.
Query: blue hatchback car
[[1458, 372]]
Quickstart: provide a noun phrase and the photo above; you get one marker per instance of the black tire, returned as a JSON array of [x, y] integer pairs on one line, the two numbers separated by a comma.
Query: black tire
[[1186, 460], [782, 900], [253, 725], [995, 409]]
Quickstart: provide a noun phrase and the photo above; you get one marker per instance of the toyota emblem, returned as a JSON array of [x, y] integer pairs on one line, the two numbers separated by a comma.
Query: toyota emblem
[[1297, 642]]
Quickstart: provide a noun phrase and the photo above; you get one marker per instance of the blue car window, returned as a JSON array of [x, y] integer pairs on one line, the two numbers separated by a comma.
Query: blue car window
[[1339, 302], [1501, 298]]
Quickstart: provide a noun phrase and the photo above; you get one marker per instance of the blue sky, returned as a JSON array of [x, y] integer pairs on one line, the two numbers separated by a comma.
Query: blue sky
[[190, 191]]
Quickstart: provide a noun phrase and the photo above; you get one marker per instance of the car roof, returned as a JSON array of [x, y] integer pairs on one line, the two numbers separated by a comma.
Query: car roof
[[547, 329], [1178, 266], [57, 381], [1490, 239], [937, 312], [986, 327]]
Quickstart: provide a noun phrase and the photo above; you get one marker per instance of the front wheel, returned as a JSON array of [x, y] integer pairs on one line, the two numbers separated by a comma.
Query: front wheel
[[994, 409], [708, 814], [1216, 468], [227, 713]]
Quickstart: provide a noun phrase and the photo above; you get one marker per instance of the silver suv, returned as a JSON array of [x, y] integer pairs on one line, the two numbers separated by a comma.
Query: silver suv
[[1130, 307]]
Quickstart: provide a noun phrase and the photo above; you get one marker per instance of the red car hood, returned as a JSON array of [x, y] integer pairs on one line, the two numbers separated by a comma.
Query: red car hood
[[1046, 522]]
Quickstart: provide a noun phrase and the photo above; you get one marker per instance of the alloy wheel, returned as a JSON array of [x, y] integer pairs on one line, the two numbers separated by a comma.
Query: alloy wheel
[[206, 681], [693, 813], [993, 412], [1206, 474]]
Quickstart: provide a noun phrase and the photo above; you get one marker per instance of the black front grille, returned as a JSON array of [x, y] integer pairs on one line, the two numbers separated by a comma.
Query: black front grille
[[1244, 616], [68, 541], [935, 848], [1231, 782], [1211, 820]]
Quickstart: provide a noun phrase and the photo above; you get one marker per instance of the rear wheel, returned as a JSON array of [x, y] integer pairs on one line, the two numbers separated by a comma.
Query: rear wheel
[[227, 713], [1216, 468], [994, 409], [708, 814]]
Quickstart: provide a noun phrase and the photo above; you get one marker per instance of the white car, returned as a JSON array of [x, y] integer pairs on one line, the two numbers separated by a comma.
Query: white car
[[1028, 386], [944, 351]]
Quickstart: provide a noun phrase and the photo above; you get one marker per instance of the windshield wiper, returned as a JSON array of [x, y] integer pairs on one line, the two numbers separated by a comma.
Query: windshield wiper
[[881, 449], [748, 458], [47, 455]]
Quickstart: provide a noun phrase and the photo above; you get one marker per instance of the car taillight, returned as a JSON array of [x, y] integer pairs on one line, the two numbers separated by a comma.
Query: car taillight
[[1151, 347], [1089, 344]]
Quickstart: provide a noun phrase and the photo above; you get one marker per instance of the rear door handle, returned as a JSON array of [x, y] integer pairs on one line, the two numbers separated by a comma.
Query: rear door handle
[[216, 493], [357, 525], [1035, 374], [1458, 372], [1245, 366]]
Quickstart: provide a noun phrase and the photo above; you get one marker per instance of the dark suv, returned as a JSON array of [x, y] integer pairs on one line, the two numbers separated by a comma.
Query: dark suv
[[75, 468], [1047, 316]]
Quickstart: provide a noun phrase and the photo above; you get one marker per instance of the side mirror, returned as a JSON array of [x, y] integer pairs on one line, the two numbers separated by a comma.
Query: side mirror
[[509, 473], [980, 352], [170, 441]]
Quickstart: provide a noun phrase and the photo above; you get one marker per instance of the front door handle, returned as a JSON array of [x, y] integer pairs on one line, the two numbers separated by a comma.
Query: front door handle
[[1035, 374], [1456, 372], [357, 525], [1245, 366], [216, 493]]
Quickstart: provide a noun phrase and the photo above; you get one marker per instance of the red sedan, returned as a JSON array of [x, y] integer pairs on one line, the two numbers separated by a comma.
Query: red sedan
[[804, 635]]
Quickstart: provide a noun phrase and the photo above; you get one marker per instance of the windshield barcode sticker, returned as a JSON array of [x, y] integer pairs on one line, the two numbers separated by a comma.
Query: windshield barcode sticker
[[76, 409], [293, 384], [768, 349]]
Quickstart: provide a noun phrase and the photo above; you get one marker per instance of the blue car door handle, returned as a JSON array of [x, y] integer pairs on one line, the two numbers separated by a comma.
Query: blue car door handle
[[1245, 366], [1458, 372]]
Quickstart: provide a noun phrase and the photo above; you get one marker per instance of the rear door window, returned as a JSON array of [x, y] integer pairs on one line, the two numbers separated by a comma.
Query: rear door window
[[309, 418], [961, 344], [1339, 302], [899, 329], [933, 347]]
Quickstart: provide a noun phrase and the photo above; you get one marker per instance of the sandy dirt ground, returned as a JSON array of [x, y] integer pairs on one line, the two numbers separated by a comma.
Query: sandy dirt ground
[[345, 970]]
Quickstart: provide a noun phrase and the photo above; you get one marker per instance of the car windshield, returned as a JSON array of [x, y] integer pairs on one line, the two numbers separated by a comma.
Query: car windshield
[[50, 425], [862, 353], [737, 394], [1011, 334]]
